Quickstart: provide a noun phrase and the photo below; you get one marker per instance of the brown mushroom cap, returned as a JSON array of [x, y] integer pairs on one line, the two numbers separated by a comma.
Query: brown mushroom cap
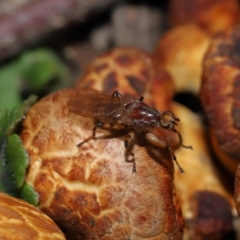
[[20, 220], [180, 52], [131, 71], [212, 216], [91, 191], [219, 94], [213, 16]]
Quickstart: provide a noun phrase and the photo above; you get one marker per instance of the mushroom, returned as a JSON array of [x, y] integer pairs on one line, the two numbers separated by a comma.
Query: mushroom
[[212, 16], [20, 220], [181, 55], [200, 171], [91, 191], [219, 95], [201, 183], [212, 216], [220, 98], [131, 71]]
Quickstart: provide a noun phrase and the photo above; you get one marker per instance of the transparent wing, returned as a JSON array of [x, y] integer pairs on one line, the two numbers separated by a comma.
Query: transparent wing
[[99, 106]]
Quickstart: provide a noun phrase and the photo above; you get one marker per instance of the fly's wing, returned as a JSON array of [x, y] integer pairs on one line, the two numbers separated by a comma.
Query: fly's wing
[[99, 106]]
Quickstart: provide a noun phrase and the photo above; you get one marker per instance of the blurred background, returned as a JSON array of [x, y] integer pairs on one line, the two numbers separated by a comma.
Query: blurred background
[[46, 44]]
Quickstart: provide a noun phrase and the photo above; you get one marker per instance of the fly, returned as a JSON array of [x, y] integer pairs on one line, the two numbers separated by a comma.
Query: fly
[[116, 112]]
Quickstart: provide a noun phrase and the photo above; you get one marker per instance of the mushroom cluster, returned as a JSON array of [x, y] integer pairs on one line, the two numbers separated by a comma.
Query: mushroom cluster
[[20, 220], [90, 190]]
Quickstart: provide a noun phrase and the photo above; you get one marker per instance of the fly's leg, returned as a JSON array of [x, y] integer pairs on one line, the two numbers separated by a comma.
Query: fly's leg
[[180, 139], [109, 125], [161, 143], [127, 144], [116, 94], [101, 125], [89, 138]]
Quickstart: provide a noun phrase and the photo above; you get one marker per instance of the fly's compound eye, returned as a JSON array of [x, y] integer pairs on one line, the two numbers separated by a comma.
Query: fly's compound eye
[[168, 120], [165, 123]]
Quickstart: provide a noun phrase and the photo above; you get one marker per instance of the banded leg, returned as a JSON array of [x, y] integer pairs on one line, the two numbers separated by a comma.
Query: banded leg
[[101, 125], [127, 144], [162, 144]]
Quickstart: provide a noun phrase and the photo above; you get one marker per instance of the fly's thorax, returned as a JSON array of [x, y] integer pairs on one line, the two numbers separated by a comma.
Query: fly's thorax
[[142, 115]]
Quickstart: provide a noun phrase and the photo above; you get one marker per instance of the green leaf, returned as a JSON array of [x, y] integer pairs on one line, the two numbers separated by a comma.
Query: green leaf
[[14, 158], [10, 118], [9, 88], [28, 194], [2, 165], [39, 68], [17, 158], [38, 71], [14, 161], [8, 121]]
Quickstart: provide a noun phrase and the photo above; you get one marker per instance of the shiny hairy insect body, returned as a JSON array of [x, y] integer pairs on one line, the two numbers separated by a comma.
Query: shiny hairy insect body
[[115, 112]]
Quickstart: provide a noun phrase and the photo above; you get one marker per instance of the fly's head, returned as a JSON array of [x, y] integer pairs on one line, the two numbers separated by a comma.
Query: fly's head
[[167, 120]]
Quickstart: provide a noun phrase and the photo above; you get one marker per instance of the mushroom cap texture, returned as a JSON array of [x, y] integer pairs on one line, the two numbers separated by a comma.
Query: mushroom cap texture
[[91, 191], [219, 95], [20, 220], [133, 72]]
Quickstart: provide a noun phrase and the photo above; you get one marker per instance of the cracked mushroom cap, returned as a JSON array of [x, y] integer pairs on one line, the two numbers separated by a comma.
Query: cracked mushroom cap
[[20, 220], [131, 71], [91, 191]]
